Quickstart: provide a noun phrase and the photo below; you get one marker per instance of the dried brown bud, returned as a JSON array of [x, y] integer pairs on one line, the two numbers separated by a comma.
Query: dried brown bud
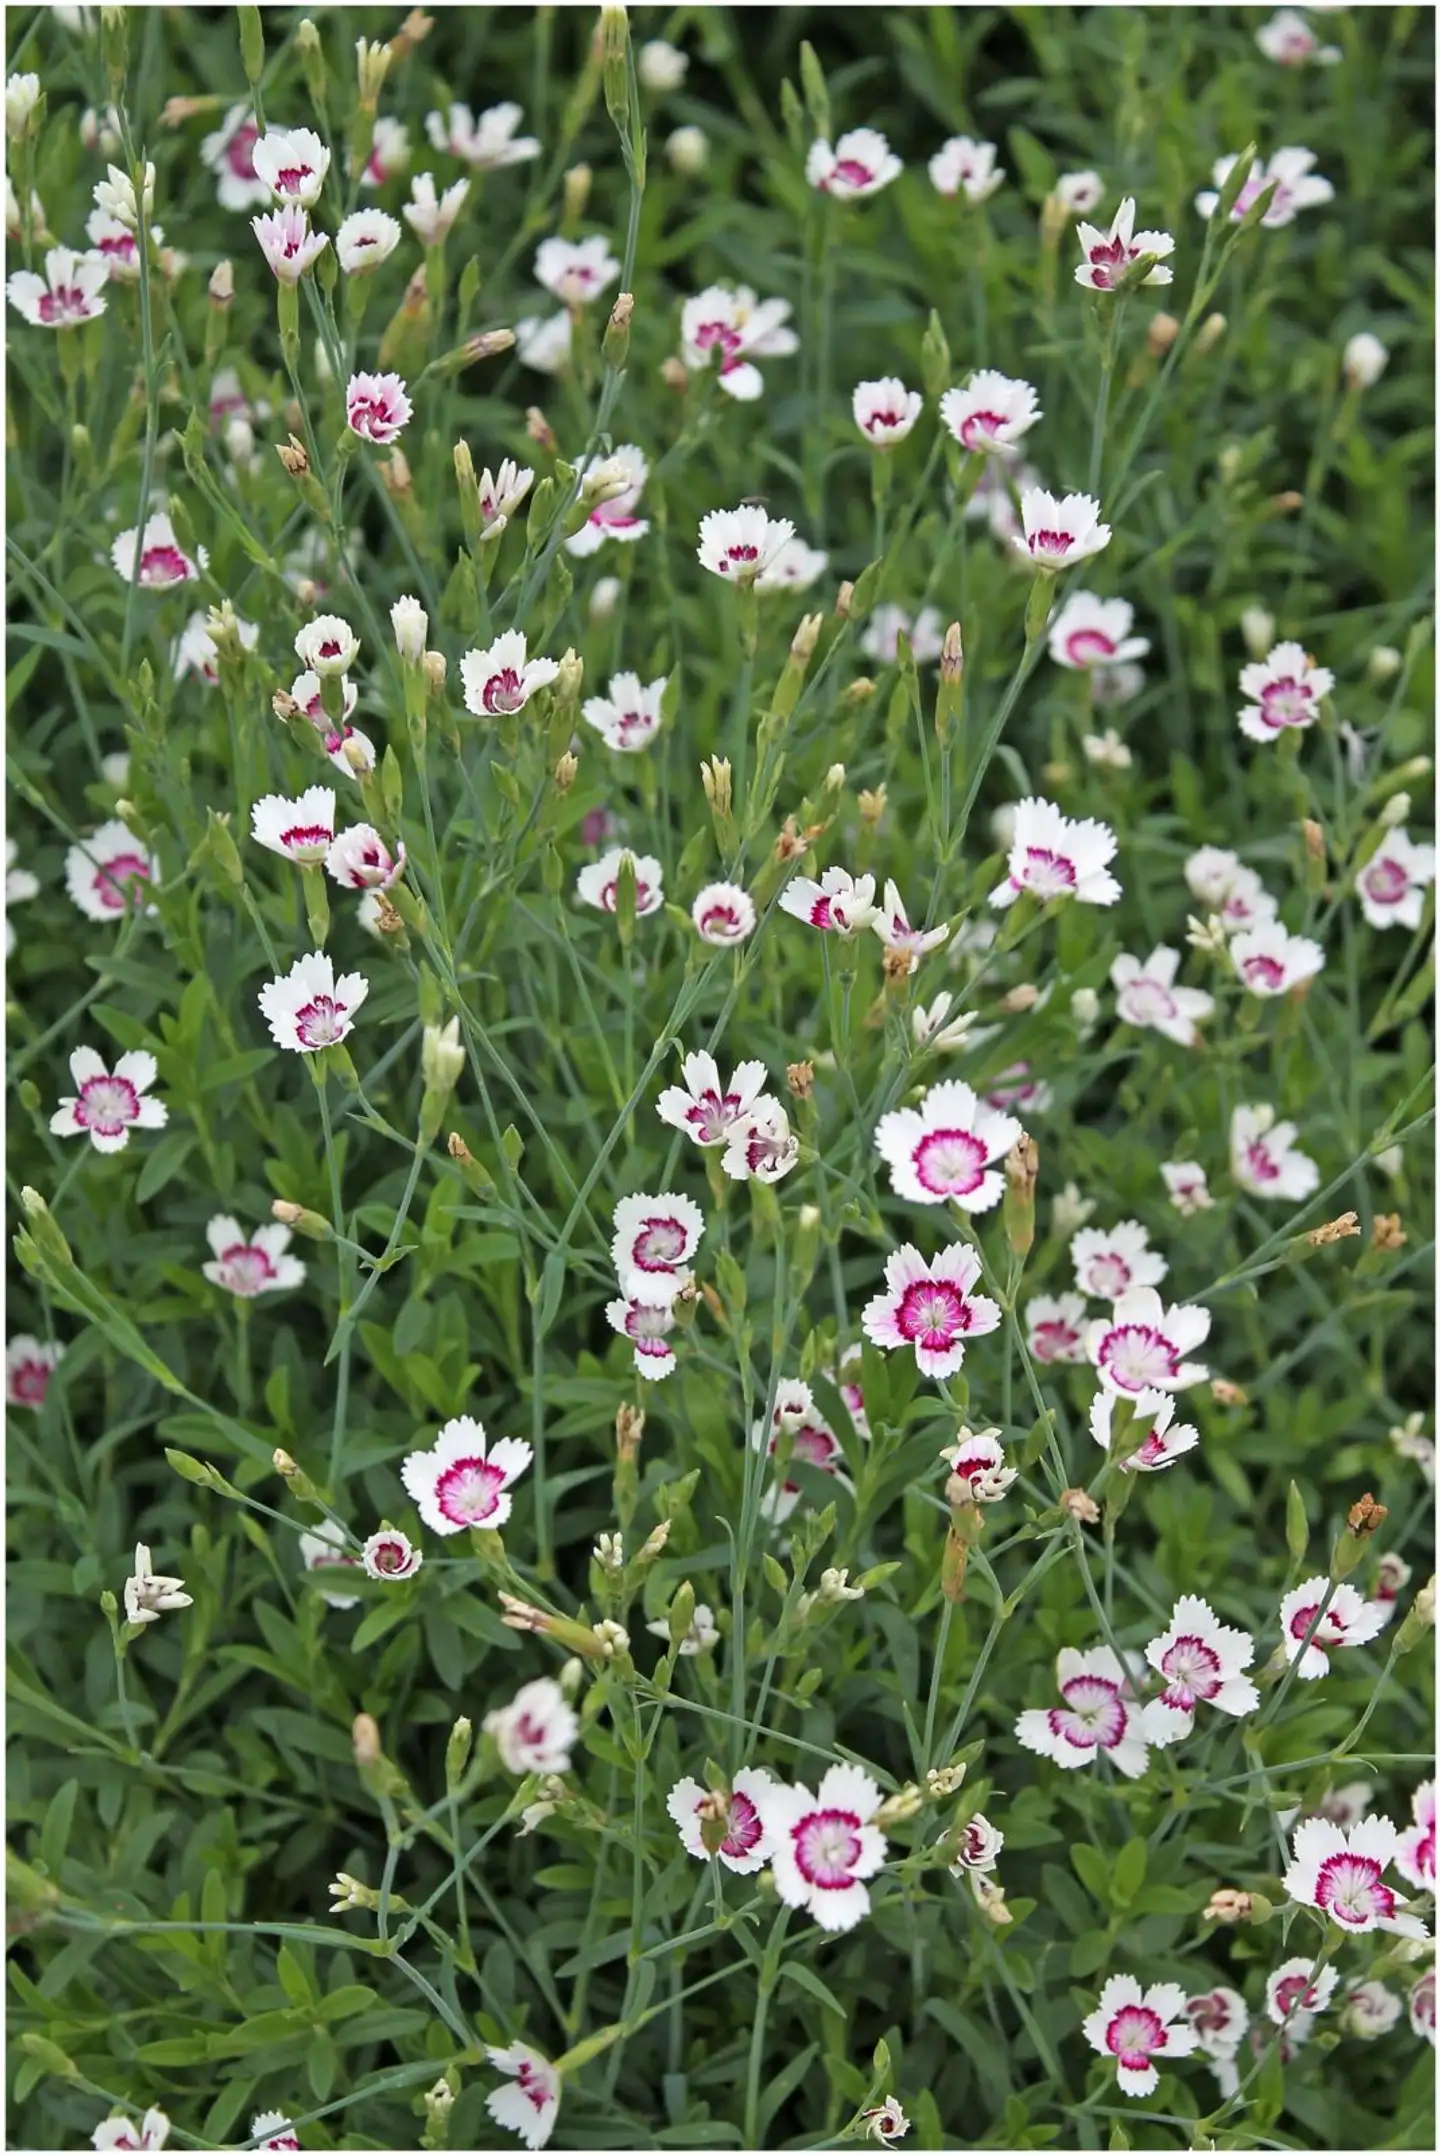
[[520, 1615], [1023, 997], [489, 344], [871, 804], [807, 635], [285, 1212], [790, 845], [800, 1077], [629, 1429], [177, 110], [565, 771], [674, 376], [897, 966], [294, 456], [1079, 1504], [284, 1464], [622, 311], [538, 427], [1227, 1394], [1386, 1233], [365, 1735], [1365, 1515], [1228, 1905], [412, 32], [859, 691], [1334, 1230], [283, 704], [1314, 838], [1161, 334]]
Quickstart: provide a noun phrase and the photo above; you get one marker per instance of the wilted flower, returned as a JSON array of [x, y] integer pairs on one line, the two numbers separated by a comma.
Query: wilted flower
[[148, 1595]]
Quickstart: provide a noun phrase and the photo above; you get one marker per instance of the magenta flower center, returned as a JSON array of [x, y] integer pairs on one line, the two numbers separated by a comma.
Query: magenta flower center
[[950, 1163], [1049, 875], [744, 1829], [28, 1382], [1051, 542], [106, 1104], [306, 841], [1089, 647], [932, 1314], [163, 565], [979, 429], [827, 1848], [390, 1557], [1210, 2014], [1133, 2034], [66, 304], [239, 150], [1349, 1889], [1136, 1355], [292, 178], [1054, 1340], [111, 884], [247, 1269], [468, 1491], [321, 1022], [1264, 972], [504, 691], [660, 1245], [1385, 881], [1260, 1163], [1287, 702], [1109, 1275], [719, 923], [1192, 1669], [1092, 1716], [852, 173]]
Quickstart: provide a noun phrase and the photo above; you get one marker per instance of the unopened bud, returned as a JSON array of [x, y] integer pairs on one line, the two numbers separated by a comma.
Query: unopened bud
[[629, 1429], [365, 1736], [569, 677], [565, 772], [1161, 334], [1079, 1504], [1383, 663], [904, 1804], [842, 599], [538, 427], [674, 375], [1208, 335], [222, 284], [1396, 810], [312, 1224], [1022, 1170], [1287, 502], [871, 803], [1227, 1904], [1226, 1394], [615, 344], [1258, 629], [715, 778], [434, 667], [576, 193]]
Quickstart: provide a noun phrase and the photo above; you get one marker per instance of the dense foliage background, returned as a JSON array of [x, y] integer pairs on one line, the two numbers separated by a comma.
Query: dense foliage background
[[177, 1835]]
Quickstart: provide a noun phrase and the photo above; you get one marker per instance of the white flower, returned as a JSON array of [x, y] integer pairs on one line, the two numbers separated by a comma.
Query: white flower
[[737, 329], [1368, 2010], [886, 2123], [115, 195], [502, 494], [155, 562], [701, 1636], [891, 923], [272, 2130], [746, 1845], [1162, 1444], [1291, 1997], [761, 1145], [1133, 2026], [839, 903], [22, 95], [287, 242], [310, 1007], [117, 245], [530, 2104], [1391, 886], [1099, 1716], [704, 1107], [327, 645], [794, 568], [324, 1549], [979, 1848], [1289, 40], [1263, 1159], [1146, 995], [991, 413], [1107, 256], [825, 1845], [653, 1243], [961, 166], [1271, 961], [1077, 192], [365, 240], [1053, 857], [930, 1308], [933, 1027], [501, 680], [739, 543], [488, 143], [661, 66], [1284, 689], [1055, 1327], [534, 1733], [723, 913], [154, 2128], [194, 649], [1340, 1873], [860, 164], [230, 154], [1349, 1620], [1070, 1210], [431, 216], [1235, 893], [977, 1458], [389, 152], [293, 163], [544, 344], [1366, 359], [1188, 1190], [411, 624], [108, 872], [1106, 750], [246, 1265], [1058, 532], [612, 485], [107, 1104], [1089, 631], [1415, 1850], [148, 1595], [576, 271], [1297, 188], [1141, 1345], [391, 1556], [885, 411], [628, 718], [464, 1480], [1112, 685], [301, 830], [944, 1151], [29, 1366], [598, 882], [1202, 1661]]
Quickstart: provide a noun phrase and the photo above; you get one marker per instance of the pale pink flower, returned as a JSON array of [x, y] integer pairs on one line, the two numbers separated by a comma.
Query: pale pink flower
[[576, 271], [530, 2104], [1055, 1327], [1283, 691], [979, 1848], [29, 1366], [377, 407], [1162, 1444], [615, 517], [1234, 893], [991, 413], [1220, 2018], [746, 1847], [598, 882], [738, 543], [944, 1150], [1146, 995], [839, 903], [1349, 1620], [961, 166], [1188, 1189], [301, 830], [359, 859], [311, 1007], [1289, 1990], [1089, 632], [502, 680], [925, 635], [1391, 886], [653, 1243], [1053, 857], [389, 152], [885, 411], [1141, 1346], [1263, 1159], [1110, 1261], [810, 1441], [324, 1549], [647, 1326], [1297, 188], [464, 1480], [1271, 961], [293, 163], [1340, 1873], [1135, 2026], [1289, 41], [488, 143], [1106, 256], [738, 329], [71, 291], [1099, 1715], [246, 1265], [794, 568], [502, 494], [1202, 1661], [627, 718], [230, 154], [287, 242], [825, 1845], [1077, 192], [723, 913], [390, 1555], [1415, 1849], [106, 1105], [155, 562], [1058, 531], [704, 1107], [891, 923], [860, 164], [108, 873], [1017, 1087], [429, 215], [1369, 2010], [930, 1307]]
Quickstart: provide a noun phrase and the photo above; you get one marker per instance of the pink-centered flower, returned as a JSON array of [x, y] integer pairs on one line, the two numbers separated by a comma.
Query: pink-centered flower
[[1110, 1261], [1097, 1715], [1297, 187], [118, 245], [944, 1150], [109, 873], [1289, 1990], [1077, 192], [1283, 692], [801, 1432], [704, 1107], [151, 2131], [980, 1847], [1017, 1087], [488, 143], [271, 2133], [1052, 856], [761, 1146], [1057, 531], [1234, 893], [230, 155], [1263, 1158], [724, 914], [1392, 1576], [885, 411], [301, 830], [576, 271], [647, 1326], [501, 680], [1055, 1327], [293, 163], [825, 1845], [616, 515], [991, 413], [325, 1549], [389, 152], [1106, 257], [1415, 1849], [1369, 2010], [29, 1365], [1348, 1620], [155, 561], [891, 923], [391, 1556], [287, 242], [963, 167], [534, 1733], [246, 1265], [71, 292], [529, 2102], [734, 328], [839, 904], [1422, 2007], [977, 1458], [107, 1104], [377, 407], [503, 492], [1341, 1873], [745, 1847], [930, 1308], [1146, 995], [1201, 1661], [598, 882], [1135, 2026], [1142, 1345], [1162, 1443], [1272, 961], [312, 1007], [794, 568], [464, 1480], [359, 859], [1089, 632], [1220, 2018], [328, 645], [1186, 1186], [194, 649], [738, 543], [654, 1240], [859, 164], [627, 719], [1391, 886], [1289, 41]]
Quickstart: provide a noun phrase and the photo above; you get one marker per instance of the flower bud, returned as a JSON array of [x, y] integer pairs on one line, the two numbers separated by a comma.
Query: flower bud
[[1022, 1169], [457, 1752], [1258, 629], [615, 345], [895, 1810], [1419, 1618], [565, 772], [1079, 1504], [1208, 335], [1227, 1904], [688, 150], [1365, 360], [538, 427], [1161, 334], [412, 625], [674, 375], [1383, 663]]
